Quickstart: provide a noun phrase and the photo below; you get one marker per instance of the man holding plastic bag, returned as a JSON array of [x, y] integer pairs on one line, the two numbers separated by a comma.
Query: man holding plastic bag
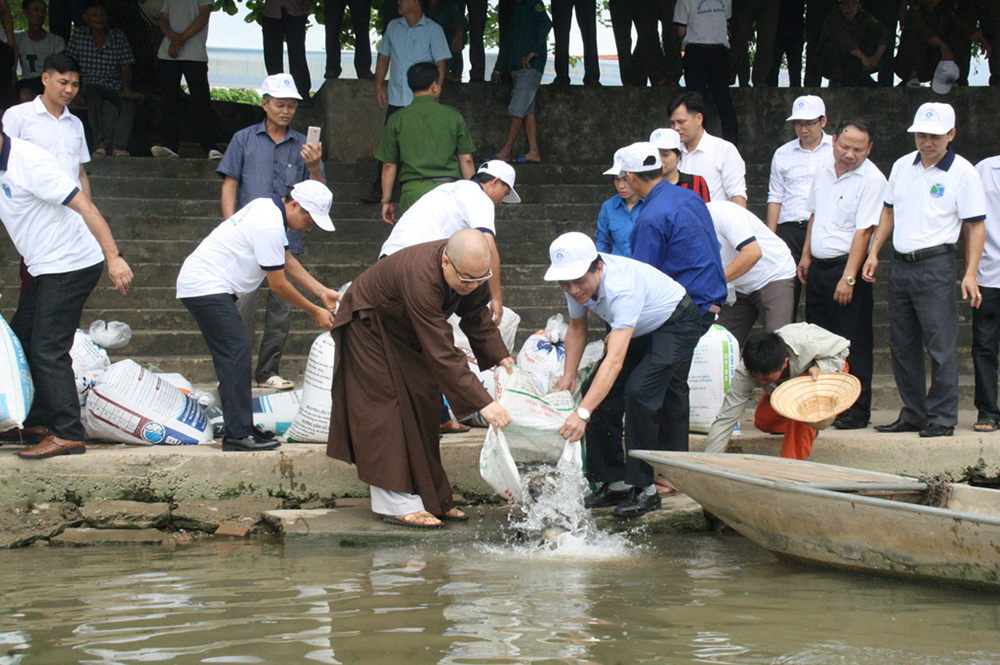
[[655, 327], [396, 354]]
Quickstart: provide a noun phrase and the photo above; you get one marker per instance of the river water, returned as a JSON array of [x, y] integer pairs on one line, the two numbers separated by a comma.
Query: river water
[[703, 598]]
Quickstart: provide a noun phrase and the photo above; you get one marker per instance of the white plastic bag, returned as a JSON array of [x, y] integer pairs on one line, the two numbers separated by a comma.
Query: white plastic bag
[[533, 433], [16, 388], [312, 421], [497, 467], [112, 335], [712, 368], [133, 405]]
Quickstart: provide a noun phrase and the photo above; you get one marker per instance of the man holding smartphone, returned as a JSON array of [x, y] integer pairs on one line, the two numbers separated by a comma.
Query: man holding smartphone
[[264, 161]]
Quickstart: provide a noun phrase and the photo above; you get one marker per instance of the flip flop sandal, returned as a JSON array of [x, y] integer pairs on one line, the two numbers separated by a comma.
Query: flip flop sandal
[[524, 160], [276, 383], [452, 518], [986, 425], [459, 428], [395, 521]]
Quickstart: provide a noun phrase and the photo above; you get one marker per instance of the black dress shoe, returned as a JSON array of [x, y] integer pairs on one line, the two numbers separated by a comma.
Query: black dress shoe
[[262, 434], [605, 497], [934, 430], [638, 503], [899, 425], [248, 444], [850, 422]]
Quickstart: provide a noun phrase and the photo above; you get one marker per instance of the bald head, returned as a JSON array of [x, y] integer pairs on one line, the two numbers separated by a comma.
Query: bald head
[[466, 260]]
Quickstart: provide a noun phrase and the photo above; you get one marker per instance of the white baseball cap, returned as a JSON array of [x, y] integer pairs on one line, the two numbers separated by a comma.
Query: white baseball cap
[[665, 139], [316, 199], [570, 256], [501, 169], [280, 86], [933, 118], [807, 107], [636, 158], [945, 76]]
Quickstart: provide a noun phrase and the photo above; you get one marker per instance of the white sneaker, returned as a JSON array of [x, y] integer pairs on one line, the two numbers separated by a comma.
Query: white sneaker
[[162, 151], [214, 155]]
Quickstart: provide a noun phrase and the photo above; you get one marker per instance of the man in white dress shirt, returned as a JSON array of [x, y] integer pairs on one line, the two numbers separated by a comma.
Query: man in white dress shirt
[[932, 197], [845, 203], [792, 169], [714, 159], [759, 268]]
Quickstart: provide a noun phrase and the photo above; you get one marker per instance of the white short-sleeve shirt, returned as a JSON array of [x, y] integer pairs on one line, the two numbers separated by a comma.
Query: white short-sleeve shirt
[[930, 205], [181, 14], [792, 171], [632, 294], [719, 162], [843, 206], [736, 227], [989, 264], [237, 254], [31, 54], [61, 137], [705, 20], [441, 212], [34, 191]]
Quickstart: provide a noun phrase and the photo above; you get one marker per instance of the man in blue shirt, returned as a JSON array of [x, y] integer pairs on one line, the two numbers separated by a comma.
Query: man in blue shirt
[[674, 231], [655, 327], [409, 39], [618, 215], [263, 161]]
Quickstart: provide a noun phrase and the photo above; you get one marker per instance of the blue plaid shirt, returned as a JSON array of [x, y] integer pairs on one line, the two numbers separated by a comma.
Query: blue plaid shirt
[[100, 66]]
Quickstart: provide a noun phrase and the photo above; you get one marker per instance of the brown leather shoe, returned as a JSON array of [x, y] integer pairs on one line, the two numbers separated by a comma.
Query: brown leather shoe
[[26, 436], [52, 446]]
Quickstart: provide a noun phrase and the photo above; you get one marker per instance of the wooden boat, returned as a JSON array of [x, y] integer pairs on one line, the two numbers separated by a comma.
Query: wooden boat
[[847, 518]]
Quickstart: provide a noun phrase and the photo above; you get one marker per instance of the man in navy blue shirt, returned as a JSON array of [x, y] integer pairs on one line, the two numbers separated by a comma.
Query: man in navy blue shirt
[[674, 232]]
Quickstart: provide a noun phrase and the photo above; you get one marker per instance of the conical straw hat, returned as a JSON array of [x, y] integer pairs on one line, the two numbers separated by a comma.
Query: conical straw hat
[[816, 402]]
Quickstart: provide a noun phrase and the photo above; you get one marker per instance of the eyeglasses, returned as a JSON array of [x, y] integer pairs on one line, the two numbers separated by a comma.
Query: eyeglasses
[[805, 124], [463, 278]]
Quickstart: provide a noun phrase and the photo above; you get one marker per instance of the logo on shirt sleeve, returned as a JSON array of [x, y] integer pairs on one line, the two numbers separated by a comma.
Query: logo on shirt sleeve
[[937, 190]]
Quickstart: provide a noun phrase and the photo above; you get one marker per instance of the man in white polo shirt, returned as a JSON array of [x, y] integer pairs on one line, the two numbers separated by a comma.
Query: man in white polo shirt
[[932, 196], [65, 242], [655, 327], [845, 202], [759, 269], [714, 159], [986, 319], [458, 205], [792, 169], [231, 262]]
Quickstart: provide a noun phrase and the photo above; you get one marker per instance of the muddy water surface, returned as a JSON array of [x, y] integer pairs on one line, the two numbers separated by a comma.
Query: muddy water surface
[[664, 599]]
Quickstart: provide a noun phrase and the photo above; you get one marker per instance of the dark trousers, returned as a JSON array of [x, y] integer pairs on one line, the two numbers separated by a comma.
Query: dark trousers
[[646, 63], [985, 347], [758, 20], [706, 70], [671, 42], [794, 235], [333, 17], [96, 96], [788, 43], [887, 13], [45, 322], [477, 30], [377, 186], [289, 30], [202, 117], [222, 327], [656, 366], [277, 325], [852, 321], [816, 13], [923, 313], [844, 70], [586, 18]]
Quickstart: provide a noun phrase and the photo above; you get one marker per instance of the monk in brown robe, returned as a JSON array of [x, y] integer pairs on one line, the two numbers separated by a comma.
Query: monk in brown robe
[[395, 356]]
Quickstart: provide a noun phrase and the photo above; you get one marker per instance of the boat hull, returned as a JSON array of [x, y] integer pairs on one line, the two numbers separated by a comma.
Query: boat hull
[[844, 530]]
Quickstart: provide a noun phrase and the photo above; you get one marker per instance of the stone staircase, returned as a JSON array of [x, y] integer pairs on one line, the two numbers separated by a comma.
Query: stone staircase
[[159, 210]]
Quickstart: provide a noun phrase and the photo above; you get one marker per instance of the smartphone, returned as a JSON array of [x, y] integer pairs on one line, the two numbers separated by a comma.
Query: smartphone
[[313, 136]]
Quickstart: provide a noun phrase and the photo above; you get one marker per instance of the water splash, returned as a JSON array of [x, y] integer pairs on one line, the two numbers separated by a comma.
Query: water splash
[[553, 521]]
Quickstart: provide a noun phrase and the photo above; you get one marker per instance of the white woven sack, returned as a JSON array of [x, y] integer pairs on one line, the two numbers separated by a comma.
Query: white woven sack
[[16, 388], [312, 421]]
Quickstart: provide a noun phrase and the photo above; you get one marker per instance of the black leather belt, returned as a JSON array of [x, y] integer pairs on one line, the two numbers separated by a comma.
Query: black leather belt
[[826, 263], [440, 179], [921, 254], [798, 225], [684, 304]]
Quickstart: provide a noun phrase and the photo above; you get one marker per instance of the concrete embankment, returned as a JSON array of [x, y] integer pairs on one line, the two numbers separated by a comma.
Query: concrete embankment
[[118, 493]]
